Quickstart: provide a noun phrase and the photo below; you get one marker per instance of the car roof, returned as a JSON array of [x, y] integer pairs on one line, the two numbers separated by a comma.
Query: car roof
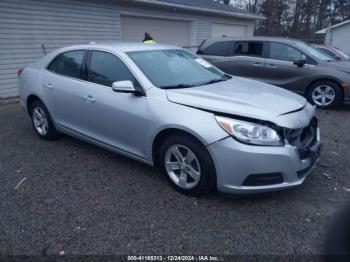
[[122, 46], [254, 38]]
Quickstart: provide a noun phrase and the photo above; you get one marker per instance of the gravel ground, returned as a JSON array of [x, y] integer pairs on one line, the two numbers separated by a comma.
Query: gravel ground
[[83, 200]]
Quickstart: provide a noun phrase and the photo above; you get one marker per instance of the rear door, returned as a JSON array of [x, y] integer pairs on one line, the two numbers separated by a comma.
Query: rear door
[[246, 60], [63, 87], [280, 66]]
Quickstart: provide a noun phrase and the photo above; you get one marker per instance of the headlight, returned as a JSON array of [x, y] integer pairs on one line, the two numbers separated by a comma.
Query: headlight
[[249, 133]]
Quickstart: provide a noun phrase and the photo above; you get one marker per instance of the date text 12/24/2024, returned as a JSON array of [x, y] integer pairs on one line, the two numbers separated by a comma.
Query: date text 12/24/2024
[[173, 258]]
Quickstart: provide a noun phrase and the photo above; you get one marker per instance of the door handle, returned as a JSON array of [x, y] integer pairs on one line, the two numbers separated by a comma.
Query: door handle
[[89, 99], [271, 66], [258, 64], [48, 86]]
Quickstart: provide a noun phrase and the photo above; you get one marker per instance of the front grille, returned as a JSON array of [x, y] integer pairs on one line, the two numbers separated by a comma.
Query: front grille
[[263, 179], [303, 139]]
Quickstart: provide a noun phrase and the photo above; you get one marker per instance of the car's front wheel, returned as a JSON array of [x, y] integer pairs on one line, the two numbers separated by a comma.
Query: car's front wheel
[[187, 165], [325, 94], [42, 122]]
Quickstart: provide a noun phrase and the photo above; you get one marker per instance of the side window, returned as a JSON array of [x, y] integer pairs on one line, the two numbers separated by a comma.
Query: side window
[[68, 64], [284, 52], [105, 69], [217, 49], [248, 48]]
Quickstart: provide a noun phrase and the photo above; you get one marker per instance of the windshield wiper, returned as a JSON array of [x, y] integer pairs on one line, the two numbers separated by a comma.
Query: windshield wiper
[[217, 80], [177, 86]]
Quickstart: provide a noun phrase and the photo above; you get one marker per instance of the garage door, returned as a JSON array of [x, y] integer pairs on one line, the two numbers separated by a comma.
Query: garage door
[[228, 30], [162, 30]]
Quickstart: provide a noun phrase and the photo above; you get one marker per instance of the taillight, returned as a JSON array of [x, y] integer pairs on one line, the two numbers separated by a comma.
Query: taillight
[[19, 72]]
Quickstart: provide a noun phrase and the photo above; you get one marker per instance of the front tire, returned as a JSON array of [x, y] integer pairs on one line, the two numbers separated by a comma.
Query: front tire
[[187, 165], [42, 122], [325, 94]]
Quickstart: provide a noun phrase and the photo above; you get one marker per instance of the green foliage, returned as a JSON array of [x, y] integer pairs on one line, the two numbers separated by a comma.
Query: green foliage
[[296, 18]]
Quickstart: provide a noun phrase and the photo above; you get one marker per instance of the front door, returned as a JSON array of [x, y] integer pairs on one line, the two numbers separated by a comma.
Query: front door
[[115, 119], [280, 64]]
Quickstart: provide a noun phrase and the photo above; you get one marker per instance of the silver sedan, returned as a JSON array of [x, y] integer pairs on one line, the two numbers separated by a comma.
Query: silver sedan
[[169, 108]]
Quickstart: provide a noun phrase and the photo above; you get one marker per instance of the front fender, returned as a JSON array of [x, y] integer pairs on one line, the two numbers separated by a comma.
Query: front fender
[[167, 115]]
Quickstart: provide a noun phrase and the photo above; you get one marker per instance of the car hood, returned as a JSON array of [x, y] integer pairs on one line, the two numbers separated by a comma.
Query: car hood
[[242, 97]]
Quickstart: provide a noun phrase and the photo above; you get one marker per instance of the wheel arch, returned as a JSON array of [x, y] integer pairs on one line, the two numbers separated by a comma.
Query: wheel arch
[[31, 98], [331, 79], [165, 133]]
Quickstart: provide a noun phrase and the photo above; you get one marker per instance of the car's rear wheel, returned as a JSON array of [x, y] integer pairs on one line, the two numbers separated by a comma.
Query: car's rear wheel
[[42, 122], [187, 165], [325, 94]]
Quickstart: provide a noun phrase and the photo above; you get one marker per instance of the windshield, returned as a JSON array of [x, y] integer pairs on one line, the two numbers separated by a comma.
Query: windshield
[[176, 68], [315, 52]]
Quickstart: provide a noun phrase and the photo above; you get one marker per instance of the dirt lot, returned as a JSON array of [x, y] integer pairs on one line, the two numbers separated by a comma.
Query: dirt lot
[[80, 199]]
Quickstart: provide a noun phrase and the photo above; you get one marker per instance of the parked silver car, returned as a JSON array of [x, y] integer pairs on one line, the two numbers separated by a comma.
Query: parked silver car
[[283, 62], [167, 107]]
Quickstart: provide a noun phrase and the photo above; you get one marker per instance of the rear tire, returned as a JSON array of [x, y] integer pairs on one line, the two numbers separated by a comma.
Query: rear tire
[[187, 165], [325, 94], [42, 122]]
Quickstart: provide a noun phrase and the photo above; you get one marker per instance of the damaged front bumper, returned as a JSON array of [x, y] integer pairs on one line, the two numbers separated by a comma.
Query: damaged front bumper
[[244, 169]]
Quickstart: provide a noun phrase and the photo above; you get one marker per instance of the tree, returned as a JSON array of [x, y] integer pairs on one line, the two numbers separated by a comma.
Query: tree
[[275, 12], [295, 18], [254, 6], [344, 9]]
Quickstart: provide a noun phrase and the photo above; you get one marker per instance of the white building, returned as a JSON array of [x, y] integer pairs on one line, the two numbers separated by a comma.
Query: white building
[[31, 28], [338, 36]]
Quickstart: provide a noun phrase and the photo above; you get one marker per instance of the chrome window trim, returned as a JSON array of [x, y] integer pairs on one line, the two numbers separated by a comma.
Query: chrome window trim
[[85, 81], [248, 56]]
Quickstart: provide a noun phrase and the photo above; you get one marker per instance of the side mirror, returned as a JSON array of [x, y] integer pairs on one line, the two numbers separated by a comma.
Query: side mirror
[[124, 87], [300, 62]]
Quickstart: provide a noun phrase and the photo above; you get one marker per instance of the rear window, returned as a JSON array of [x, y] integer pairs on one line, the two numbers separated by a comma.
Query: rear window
[[217, 49], [68, 64], [248, 48]]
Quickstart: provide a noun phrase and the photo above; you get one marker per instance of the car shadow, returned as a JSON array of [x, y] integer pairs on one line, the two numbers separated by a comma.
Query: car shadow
[[114, 156], [256, 197], [148, 170]]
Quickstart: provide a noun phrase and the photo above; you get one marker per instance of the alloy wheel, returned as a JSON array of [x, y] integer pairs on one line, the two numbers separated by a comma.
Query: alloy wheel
[[323, 95], [182, 166], [40, 121]]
